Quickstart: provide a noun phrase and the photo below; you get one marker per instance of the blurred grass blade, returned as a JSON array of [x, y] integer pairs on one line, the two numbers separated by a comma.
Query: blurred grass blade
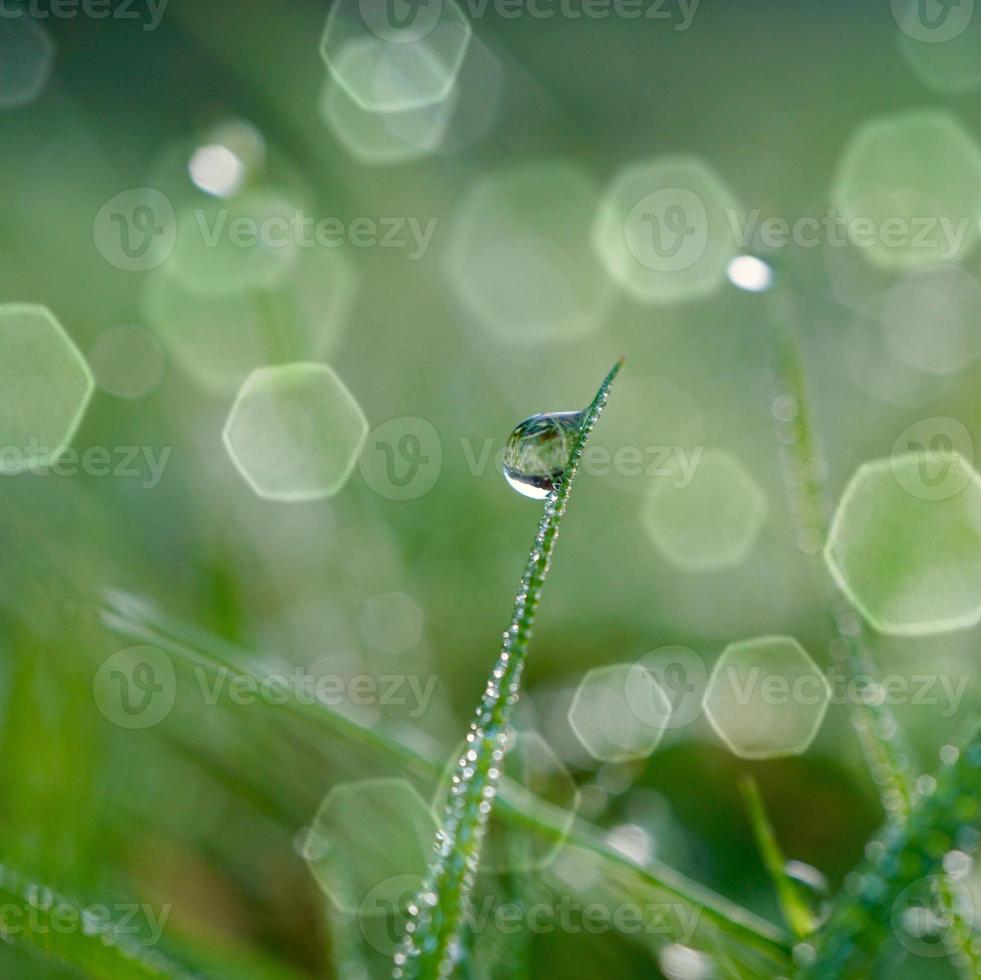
[[908, 856], [431, 946], [139, 621], [796, 913], [49, 926], [809, 500]]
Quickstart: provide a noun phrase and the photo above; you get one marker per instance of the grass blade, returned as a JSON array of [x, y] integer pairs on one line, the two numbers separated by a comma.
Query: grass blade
[[796, 914], [862, 916], [431, 945], [49, 926], [809, 501], [139, 621]]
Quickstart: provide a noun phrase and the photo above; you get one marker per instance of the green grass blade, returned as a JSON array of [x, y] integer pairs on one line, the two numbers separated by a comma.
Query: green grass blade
[[139, 621], [795, 911], [49, 926], [862, 916], [809, 501], [431, 946]]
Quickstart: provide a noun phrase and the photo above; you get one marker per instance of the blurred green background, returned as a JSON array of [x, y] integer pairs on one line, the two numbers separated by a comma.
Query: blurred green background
[[204, 813]]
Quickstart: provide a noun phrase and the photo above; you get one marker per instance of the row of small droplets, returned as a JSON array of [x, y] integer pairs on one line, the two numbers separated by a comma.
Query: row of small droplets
[[97, 925], [804, 472], [946, 817], [474, 785]]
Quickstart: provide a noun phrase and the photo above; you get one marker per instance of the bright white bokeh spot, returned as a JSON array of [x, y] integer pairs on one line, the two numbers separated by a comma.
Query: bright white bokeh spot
[[216, 170], [392, 63], [26, 57], [750, 273], [665, 229], [535, 781], [619, 712], [909, 186], [519, 257], [45, 387], [931, 319], [127, 361], [766, 698], [905, 545], [367, 834], [707, 519], [295, 432], [231, 153], [391, 622]]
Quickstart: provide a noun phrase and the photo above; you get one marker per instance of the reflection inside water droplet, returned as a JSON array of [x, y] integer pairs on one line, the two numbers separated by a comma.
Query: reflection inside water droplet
[[538, 451]]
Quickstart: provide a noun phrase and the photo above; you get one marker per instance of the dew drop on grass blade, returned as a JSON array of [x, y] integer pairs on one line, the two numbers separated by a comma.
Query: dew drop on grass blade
[[432, 943]]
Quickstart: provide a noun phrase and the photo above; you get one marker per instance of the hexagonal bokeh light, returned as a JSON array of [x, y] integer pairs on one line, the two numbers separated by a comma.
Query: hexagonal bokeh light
[[766, 697], [45, 387], [667, 229], [392, 63], [909, 189], [368, 835], [619, 712], [708, 519], [295, 432], [519, 257], [905, 543]]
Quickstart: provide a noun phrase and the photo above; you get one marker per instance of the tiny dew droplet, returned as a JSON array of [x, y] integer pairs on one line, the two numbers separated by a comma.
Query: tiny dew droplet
[[538, 451]]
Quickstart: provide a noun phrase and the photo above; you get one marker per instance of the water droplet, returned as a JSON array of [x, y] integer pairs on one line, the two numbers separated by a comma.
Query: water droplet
[[538, 451]]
